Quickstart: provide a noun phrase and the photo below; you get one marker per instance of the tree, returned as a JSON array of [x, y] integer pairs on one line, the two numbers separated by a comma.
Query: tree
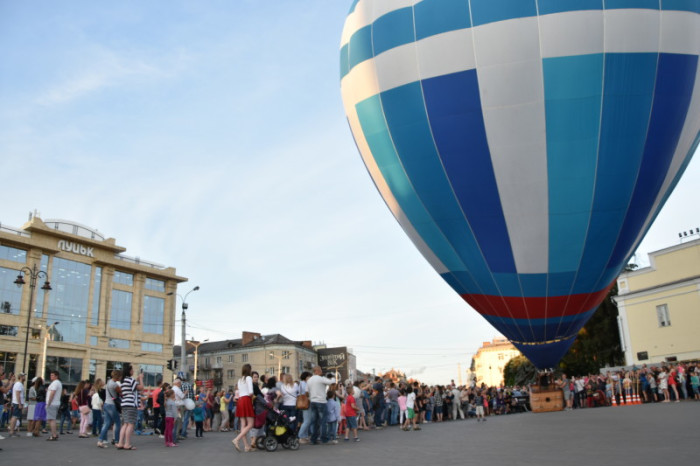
[[519, 371], [598, 342]]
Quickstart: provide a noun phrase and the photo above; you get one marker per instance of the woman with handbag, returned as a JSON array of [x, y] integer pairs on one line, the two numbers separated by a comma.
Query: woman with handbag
[[82, 396], [244, 408], [290, 393], [111, 409]]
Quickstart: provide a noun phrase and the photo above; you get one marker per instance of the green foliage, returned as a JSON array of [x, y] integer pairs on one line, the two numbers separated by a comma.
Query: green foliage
[[598, 342], [519, 371]]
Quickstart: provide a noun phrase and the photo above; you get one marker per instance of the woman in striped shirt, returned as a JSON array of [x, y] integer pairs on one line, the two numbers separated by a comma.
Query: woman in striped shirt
[[130, 404]]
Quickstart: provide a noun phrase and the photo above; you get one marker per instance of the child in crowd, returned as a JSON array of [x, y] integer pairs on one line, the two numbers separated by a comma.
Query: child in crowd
[[410, 411], [402, 406], [170, 416], [332, 415], [479, 403], [199, 420], [351, 416]]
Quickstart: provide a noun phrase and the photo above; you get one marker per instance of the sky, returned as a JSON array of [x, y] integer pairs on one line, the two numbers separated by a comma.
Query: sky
[[210, 136]]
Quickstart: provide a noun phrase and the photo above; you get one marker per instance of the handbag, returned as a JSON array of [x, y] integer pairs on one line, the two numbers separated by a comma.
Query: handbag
[[117, 402], [302, 402]]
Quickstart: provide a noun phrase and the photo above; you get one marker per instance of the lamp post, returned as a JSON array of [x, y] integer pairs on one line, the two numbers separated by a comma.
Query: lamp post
[[196, 345], [34, 273], [279, 364], [183, 350], [45, 349]]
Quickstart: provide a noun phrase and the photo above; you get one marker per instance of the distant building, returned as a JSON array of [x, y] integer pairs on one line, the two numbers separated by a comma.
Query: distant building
[[659, 307], [490, 360], [220, 362], [394, 376], [104, 308]]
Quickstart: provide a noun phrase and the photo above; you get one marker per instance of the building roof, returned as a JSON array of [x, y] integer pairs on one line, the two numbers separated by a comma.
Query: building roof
[[232, 344]]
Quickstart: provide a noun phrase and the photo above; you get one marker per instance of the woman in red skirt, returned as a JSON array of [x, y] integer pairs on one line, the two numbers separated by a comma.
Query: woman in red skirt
[[244, 408]]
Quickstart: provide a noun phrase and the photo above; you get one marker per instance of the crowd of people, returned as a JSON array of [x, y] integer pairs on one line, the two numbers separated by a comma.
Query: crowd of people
[[662, 383], [320, 409]]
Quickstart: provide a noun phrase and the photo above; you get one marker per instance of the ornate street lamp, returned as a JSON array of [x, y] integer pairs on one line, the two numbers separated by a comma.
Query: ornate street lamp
[[33, 274]]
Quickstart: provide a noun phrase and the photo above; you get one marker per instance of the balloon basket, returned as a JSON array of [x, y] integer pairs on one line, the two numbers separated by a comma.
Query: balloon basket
[[546, 399]]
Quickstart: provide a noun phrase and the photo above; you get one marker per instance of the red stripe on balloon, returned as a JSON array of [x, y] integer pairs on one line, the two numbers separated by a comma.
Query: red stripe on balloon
[[535, 307]]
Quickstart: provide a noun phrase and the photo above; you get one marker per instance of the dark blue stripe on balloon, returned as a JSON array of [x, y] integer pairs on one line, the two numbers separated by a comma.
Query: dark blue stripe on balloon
[[674, 89], [352, 7], [682, 5], [573, 88], [546, 355], [644, 4], [404, 110], [491, 11], [392, 30], [439, 16], [628, 92], [547, 7], [456, 120]]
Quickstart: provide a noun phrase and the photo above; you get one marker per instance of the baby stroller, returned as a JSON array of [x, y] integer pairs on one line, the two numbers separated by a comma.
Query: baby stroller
[[277, 426]]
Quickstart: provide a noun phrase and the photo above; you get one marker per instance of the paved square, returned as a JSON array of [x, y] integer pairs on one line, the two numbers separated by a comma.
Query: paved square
[[652, 434]]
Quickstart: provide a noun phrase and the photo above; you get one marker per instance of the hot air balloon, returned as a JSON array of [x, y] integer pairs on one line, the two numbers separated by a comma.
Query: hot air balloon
[[524, 146]]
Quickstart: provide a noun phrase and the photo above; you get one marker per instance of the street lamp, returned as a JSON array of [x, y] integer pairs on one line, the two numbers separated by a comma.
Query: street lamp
[[196, 345], [47, 335], [33, 274], [279, 364], [183, 350]]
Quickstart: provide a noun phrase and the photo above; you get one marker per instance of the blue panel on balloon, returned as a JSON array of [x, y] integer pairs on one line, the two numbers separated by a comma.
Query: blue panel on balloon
[[491, 11], [681, 5], [644, 4], [547, 7], [438, 16], [392, 30], [360, 46]]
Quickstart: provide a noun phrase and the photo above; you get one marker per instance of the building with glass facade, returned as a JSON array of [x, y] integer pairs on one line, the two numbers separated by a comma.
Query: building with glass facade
[[104, 308]]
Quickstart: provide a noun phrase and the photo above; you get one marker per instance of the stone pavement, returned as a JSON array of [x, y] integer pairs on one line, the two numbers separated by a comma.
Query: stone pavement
[[652, 434]]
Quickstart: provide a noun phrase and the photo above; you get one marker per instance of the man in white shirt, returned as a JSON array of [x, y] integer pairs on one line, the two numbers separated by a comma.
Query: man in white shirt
[[456, 404], [53, 403], [17, 403], [317, 386], [180, 401]]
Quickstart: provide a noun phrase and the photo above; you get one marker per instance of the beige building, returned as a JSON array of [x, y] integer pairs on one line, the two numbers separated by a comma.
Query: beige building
[[659, 307], [490, 360], [221, 361], [103, 307]]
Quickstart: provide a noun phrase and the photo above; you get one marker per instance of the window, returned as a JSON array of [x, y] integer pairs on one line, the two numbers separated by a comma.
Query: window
[[244, 357], [206, 361], [663, 316], [93, 341], [9, 330], [155, 285], [10, 294], [120, 314], [123, 278], [119, 343], [8, 360], [500, 356], [13, 254], [41, 293], [230, 358], [152, 374], [286, 369], [70, 299], [231, 373], [153, 314], [151, 347], [218, 359], [97, 286], [286, 354], [70, 370]]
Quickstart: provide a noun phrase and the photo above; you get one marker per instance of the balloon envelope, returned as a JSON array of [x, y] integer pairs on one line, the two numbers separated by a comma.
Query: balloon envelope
[[524, 146]]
